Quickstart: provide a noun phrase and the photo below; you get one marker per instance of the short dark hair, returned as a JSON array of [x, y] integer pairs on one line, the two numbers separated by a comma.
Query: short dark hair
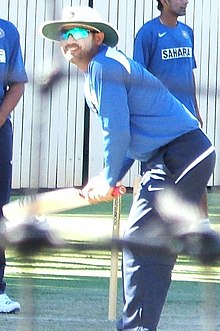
[[159, 6]]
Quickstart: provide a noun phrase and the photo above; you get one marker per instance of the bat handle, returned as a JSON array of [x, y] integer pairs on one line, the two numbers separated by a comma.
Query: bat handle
[[118, 190]]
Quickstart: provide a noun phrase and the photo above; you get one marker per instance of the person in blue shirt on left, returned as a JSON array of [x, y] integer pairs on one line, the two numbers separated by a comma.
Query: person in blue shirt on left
[[133, 107], [12, 79]]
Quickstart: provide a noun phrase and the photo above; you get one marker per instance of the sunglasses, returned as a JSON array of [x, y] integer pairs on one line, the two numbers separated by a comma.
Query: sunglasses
[[76, 33]]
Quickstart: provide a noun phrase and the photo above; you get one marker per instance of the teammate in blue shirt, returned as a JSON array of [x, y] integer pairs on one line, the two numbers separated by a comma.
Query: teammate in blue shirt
[[165, 46], [140, 119], [12, 79]]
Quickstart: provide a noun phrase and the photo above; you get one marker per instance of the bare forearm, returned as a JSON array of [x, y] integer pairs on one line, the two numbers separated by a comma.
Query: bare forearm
[[198, 115], [10, 101]]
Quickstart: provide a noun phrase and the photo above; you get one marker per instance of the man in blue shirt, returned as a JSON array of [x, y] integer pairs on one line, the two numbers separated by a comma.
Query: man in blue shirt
[[133, 107], [12, 79], [165, 46]]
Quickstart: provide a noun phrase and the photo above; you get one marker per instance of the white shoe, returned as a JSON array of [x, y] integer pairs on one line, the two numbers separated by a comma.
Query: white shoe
[[7, 305]]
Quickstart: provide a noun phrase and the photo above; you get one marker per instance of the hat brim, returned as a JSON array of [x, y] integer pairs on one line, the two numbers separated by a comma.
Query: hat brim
[[51, 30]]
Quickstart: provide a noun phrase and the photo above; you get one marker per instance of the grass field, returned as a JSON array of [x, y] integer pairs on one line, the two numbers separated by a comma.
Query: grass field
[[65, 289]]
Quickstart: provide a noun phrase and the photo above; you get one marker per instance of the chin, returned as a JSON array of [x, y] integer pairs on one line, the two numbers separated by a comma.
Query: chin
[[68, 57]]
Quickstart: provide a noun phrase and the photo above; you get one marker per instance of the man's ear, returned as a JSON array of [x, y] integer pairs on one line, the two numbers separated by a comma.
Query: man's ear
[[164, 2], [99, 37]]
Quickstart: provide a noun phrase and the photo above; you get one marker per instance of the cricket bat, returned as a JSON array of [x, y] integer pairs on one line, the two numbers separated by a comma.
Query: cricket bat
[[49, 202]]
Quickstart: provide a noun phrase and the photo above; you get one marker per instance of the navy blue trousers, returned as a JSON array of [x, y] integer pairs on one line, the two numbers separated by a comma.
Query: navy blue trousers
[[185, 165], [5, 182]]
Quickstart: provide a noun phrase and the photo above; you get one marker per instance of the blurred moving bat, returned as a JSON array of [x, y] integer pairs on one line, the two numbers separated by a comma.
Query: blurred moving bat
[[49, 202]]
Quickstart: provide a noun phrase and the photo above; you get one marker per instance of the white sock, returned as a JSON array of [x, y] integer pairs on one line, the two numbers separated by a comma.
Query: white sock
[[205, 224]]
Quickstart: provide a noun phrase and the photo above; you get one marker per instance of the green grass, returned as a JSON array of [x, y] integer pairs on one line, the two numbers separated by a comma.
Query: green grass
[[103, 209], [81, 303], [64, 289]]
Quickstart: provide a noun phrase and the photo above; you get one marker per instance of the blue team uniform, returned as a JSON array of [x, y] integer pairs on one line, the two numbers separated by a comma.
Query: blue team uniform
[[11, 71], [141, 120], [168, 53], [149, 119]]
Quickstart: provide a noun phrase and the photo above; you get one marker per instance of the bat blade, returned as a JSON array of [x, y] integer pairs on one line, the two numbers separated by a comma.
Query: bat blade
[[44, 203], [48, 203]]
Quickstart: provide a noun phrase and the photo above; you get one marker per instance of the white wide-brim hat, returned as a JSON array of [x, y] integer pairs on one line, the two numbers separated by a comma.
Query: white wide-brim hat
[[80, 16]]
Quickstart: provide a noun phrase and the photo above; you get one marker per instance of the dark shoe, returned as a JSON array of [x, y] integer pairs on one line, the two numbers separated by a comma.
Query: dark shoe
[[119, 324]]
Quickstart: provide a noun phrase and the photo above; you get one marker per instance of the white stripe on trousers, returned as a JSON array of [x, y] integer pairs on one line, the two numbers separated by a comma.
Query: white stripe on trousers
[[195, 162]]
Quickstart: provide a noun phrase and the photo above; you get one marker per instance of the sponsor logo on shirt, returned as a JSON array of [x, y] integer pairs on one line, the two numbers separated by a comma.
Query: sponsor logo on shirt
[[185, 34], [2, 56], [176, 53], [161, 34]]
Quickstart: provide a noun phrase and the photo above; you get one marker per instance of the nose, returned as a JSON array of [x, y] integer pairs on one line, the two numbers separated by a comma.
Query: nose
[[70, 37]]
